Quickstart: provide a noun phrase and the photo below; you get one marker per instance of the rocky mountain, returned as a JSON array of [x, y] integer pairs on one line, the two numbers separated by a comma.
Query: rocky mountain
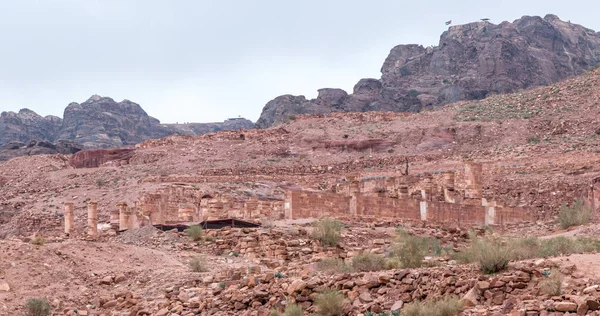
[[99, 122], [203, 128], [471, 62], [26, 125]]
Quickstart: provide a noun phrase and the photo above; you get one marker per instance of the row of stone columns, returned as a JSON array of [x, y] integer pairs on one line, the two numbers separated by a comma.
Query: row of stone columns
[[92, 221]]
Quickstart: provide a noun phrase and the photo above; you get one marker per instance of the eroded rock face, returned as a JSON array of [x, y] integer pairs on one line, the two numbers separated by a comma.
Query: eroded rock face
[[94, 158], [102, 122], [99, 122], [34, 147], [471, 62], [27, 125]]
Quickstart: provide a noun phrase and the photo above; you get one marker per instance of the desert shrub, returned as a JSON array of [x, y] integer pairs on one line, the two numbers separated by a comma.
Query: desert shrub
[[38, 240], [552, 284], [368, 262], [331, 265], [279, 275], [578, 214], [209, 238], [293, 310], [195, 232], [392, 263], [409, 250], [330, 303], [586, 244], [447, 306], [274, 312], [198, 264], [558, 246], [491, 253], [327, 231], [524, 248], [37, 307]]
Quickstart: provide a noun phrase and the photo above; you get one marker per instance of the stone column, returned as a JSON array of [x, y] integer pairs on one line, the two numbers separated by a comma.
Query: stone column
[[123, 216], [287, 205], [92, 218], [69, 213], [114, 219], [473, 172], [135, 217], [427, 187]]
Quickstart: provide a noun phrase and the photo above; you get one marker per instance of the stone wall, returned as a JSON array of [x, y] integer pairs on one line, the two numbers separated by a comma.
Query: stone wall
[[305, 204], [183, 204]]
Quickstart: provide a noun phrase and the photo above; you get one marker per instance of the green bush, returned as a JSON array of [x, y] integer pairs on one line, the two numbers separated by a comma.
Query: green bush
[[330, 303], [333, 266], [37, 307], [198, 265], [327, 231], [274, 312], [195, 232], [492, 254], [293, 310], [409, 250], [527, 248], [552, 284], [368, 262], [577, 215], [38, 240], [445, 307]]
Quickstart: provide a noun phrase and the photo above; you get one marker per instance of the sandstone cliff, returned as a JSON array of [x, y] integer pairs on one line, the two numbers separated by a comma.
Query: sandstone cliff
[[99, 122], [471, 62]]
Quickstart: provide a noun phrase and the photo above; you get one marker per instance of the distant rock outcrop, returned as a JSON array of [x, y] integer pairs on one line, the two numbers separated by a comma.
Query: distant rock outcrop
[[470, 62], [27, 125], [99, 122], [203, 128], [33, 147]]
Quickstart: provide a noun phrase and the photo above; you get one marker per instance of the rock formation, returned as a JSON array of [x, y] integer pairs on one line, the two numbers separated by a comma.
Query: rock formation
[[33, 147], [99, 122], [102, 122], [471, 61], [27, 125]]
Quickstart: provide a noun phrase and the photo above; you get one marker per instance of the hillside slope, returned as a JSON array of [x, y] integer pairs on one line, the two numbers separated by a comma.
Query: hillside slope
[[539, 147]]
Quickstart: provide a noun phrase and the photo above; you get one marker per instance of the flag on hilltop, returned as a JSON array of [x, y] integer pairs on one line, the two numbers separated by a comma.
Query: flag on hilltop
[[449, 22]]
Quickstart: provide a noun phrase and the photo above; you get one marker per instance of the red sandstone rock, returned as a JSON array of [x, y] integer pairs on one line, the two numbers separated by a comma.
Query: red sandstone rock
[[94, 158]]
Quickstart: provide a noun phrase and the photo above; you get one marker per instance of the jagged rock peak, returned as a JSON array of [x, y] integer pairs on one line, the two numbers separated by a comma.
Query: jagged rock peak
[[470, 62]]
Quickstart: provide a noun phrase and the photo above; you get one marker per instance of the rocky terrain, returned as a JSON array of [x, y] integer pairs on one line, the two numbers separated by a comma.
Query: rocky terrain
[[99, 122], [471, 61], [539, 147]]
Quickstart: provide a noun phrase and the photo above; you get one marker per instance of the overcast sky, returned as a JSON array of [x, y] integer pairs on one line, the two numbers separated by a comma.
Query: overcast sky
[[201, 60]]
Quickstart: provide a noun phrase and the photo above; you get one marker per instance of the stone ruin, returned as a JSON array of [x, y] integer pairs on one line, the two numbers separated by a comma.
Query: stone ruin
[[420, 198], [452, 197]]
